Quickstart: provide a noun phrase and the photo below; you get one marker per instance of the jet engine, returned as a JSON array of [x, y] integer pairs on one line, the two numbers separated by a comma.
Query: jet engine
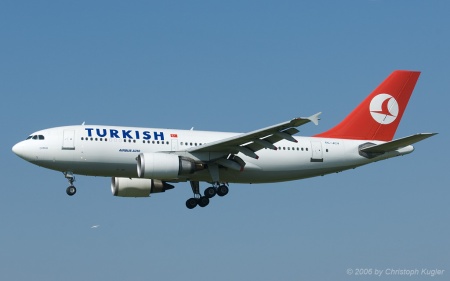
[[126, 187], [165, 166]]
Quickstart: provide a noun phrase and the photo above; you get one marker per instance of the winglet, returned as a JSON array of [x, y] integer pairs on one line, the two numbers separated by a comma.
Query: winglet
[[303, 120], [315, 118]]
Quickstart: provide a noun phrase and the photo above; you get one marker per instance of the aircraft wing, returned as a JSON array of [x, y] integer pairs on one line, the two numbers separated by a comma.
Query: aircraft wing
[[396, 144], [249, 143]]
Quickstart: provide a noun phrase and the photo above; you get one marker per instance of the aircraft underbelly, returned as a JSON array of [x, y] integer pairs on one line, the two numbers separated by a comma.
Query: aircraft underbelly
[[109, 169], [280, 175]]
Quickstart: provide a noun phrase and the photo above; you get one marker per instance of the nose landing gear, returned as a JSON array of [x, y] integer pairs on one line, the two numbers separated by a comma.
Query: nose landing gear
[[71, 190]]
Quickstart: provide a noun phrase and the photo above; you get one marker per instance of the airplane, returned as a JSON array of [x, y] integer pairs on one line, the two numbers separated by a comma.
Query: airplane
[[143, 161]]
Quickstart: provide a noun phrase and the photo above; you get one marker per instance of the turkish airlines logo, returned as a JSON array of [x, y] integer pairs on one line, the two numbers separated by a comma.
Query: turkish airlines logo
[[384, 109]]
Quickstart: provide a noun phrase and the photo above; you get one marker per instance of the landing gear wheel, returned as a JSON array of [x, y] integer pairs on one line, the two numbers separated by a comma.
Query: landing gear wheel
[[191, 203], [203, 201], [71, 190], [210, 192], [222, 190]]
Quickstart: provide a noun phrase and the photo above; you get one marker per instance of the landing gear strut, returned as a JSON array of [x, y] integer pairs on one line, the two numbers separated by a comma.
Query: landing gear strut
[[71, 190], [210, 192]]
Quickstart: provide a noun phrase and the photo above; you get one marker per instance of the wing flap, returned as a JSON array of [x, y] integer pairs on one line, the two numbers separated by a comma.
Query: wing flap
[[268, 142]]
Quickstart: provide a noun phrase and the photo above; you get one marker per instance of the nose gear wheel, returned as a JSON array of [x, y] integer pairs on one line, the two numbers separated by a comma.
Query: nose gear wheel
[[71, 190]]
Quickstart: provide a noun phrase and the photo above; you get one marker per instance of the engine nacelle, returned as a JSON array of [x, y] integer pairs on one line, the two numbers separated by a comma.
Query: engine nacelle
[[126, 187], [165, 166]]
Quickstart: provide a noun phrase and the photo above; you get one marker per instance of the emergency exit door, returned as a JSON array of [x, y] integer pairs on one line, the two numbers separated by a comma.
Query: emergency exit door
[[317, 153], [69, 140]]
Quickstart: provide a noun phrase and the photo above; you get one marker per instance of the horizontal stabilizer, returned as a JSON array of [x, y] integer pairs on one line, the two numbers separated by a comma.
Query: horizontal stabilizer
[[397, 144]]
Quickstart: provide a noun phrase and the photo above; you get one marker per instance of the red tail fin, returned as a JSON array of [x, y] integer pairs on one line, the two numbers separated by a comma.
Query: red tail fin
[[378, 116]]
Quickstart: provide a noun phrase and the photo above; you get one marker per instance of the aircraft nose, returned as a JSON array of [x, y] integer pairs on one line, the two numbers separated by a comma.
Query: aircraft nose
[[20, 150]]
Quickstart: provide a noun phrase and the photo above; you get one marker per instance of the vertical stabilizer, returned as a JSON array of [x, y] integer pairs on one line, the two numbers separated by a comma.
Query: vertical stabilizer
[[378, 116]]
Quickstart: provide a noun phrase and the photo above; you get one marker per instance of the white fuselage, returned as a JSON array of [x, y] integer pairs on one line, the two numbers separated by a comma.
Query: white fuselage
[[111, 151]]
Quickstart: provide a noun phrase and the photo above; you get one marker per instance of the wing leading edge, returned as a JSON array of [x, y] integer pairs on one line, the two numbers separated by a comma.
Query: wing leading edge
[[249, 143]]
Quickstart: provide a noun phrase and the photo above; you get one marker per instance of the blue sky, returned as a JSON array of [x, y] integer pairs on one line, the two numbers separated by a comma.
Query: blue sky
[[228, 66]]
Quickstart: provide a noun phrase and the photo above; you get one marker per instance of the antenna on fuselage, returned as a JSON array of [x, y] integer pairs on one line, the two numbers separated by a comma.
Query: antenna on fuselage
[[83, 123]]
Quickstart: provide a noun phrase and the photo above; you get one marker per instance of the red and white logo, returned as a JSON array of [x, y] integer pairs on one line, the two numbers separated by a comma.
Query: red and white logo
[[384, 109]]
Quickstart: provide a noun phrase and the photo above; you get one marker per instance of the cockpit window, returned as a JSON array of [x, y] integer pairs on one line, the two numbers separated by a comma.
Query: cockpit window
[[36, 137]]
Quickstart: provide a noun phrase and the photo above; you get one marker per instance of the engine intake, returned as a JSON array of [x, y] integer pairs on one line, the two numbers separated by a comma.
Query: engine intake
[[165, 166], [126, 187]]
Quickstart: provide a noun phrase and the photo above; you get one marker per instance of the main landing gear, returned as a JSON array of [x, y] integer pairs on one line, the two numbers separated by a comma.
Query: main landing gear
[[210, 192], [71, 190]]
